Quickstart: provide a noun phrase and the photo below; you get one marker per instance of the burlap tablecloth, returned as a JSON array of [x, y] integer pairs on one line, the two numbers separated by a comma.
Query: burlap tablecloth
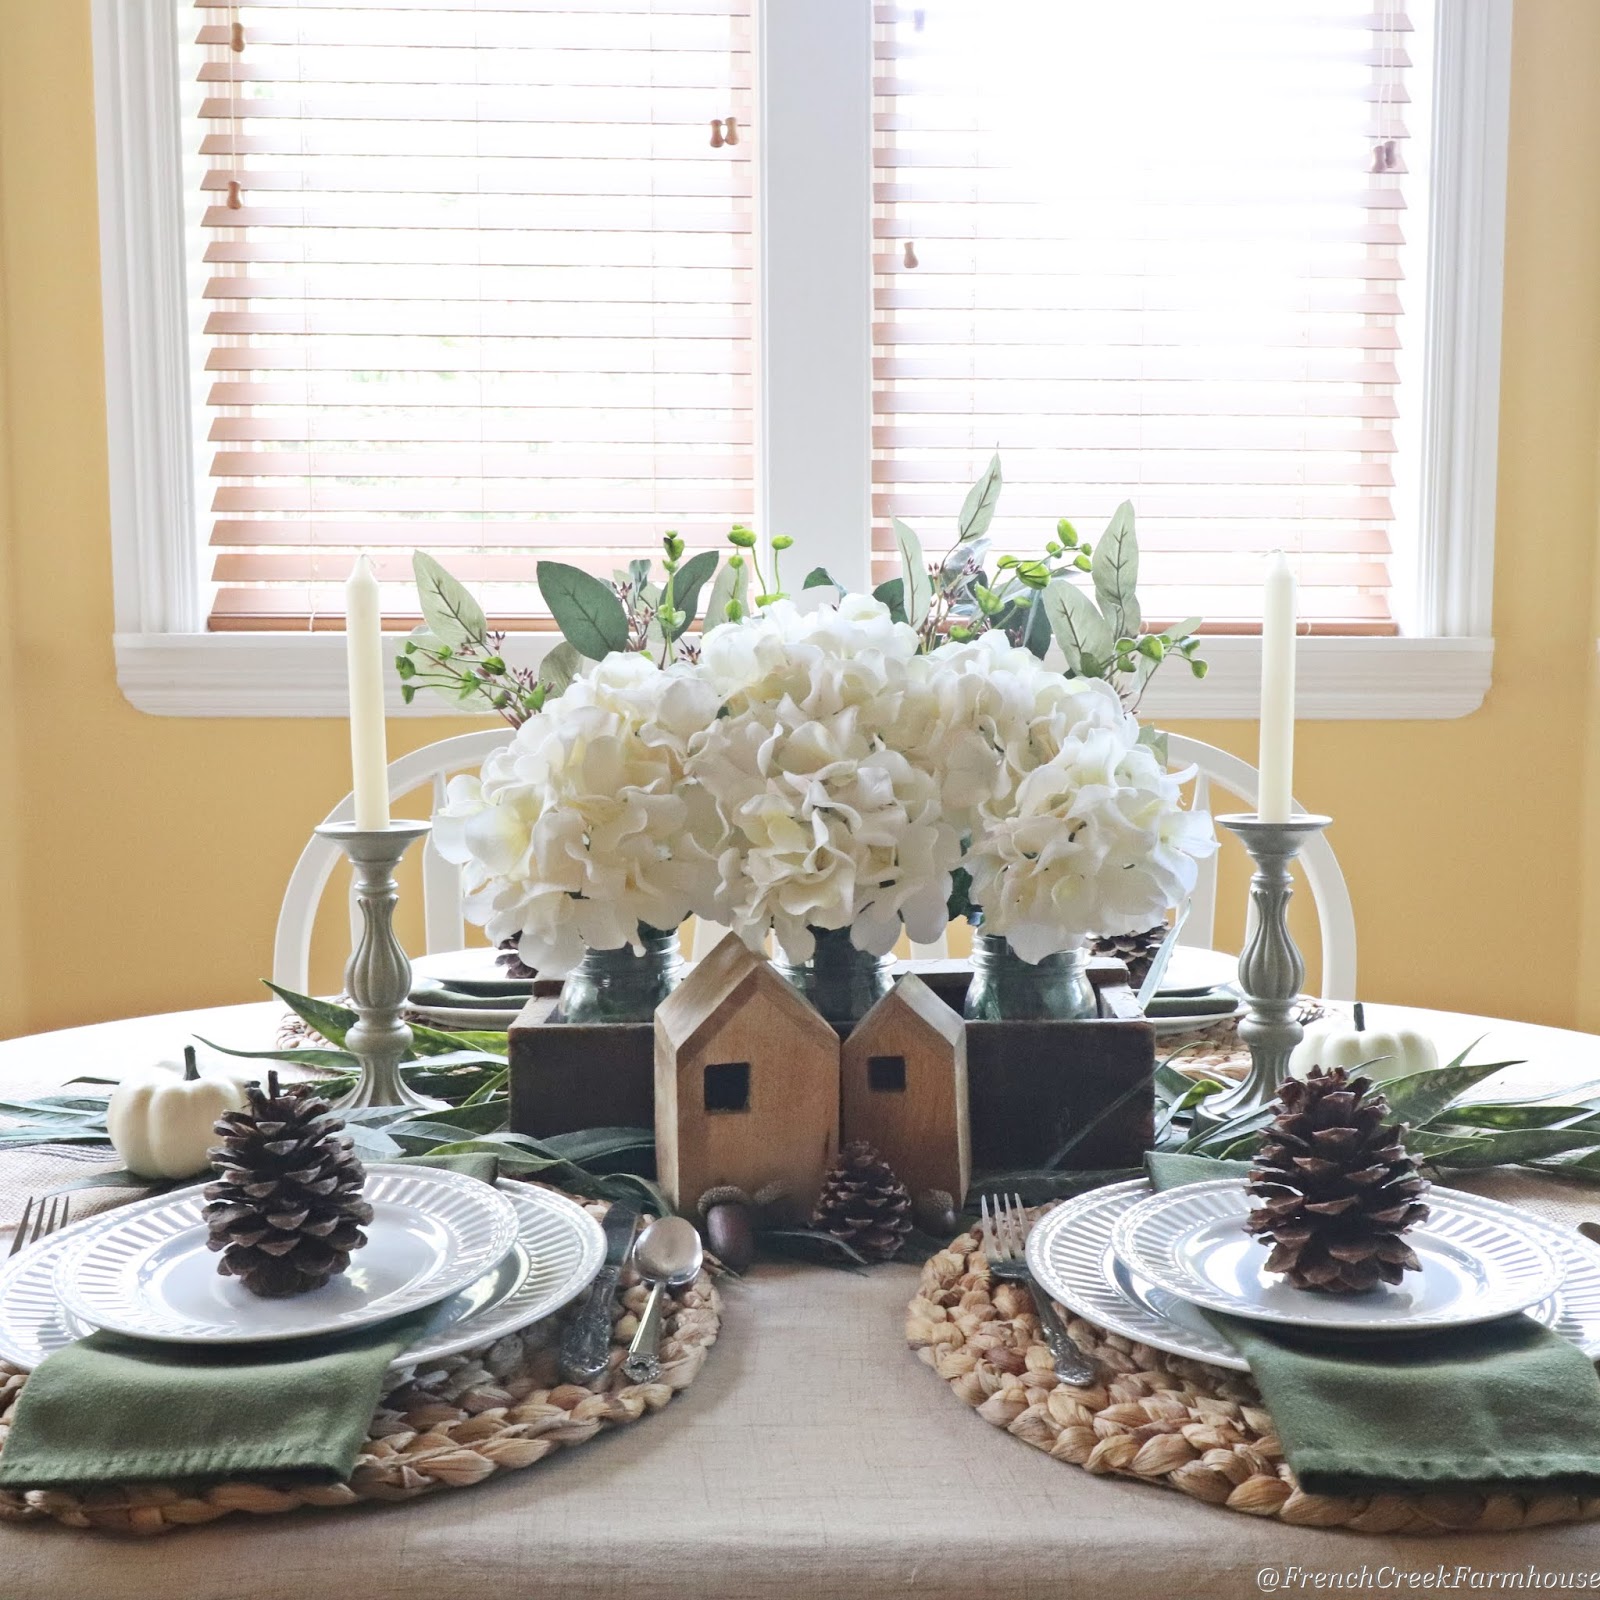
[[815, 1457]]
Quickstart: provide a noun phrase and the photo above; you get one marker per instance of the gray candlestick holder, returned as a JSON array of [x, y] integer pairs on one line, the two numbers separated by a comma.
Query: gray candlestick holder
[[1271, 970], [378, 976]]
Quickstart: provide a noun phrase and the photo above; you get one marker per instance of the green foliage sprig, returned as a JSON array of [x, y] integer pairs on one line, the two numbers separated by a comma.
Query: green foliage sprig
[[1099, 629]]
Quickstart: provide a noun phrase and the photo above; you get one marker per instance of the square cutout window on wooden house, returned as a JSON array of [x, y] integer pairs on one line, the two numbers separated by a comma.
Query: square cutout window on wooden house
[[886, 1074], [728, 1086]]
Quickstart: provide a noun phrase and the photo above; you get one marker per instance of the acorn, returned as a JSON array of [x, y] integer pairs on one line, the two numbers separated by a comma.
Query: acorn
[[727, 1219], [731, 1233], [936, 1212]]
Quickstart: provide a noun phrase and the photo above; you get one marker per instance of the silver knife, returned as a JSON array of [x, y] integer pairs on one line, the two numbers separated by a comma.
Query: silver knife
[[586, 1342]]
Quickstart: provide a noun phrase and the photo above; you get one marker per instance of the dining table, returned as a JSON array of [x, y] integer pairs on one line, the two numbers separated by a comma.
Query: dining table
[[815, 1456]]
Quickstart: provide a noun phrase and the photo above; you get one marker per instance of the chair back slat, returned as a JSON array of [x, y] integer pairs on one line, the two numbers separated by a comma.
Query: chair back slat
[[443, 926], [1200, 927]]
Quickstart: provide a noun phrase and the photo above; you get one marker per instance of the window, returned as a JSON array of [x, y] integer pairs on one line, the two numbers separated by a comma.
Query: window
[[475, 278], [491, 277], [1189, 283]]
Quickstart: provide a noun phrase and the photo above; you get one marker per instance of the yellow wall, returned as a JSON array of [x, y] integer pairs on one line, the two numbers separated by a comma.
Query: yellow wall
[[142, 858]]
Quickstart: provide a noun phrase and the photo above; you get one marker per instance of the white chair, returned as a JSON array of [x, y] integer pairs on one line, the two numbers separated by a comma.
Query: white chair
[[445, 929], [443, 925]]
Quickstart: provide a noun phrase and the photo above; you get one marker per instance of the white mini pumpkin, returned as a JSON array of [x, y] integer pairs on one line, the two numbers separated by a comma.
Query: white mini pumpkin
[[161, 1118], [1383, 1053]]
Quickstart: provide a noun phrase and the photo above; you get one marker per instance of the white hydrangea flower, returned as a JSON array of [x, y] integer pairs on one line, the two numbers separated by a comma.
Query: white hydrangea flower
[[820, 769], [1087, 834], [583, 828]]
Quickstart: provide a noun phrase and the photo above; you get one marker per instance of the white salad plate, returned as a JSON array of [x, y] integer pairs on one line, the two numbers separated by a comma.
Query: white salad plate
[[144, 1270], [558, 1251], [1479, 1261], [1071, 1255]]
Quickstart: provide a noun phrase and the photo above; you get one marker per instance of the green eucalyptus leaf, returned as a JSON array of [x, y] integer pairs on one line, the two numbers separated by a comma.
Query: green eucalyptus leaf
[[1514, 1148], [332, 1021], [811, 1244], [817, 578], [1181, 630], [891, 592], [977, 510], [1199, 1089], [1419, 1097], [1036, 625], [587, 611], [732, 585], [562, 663], [600, 1144], [690, 579], [452, 614], [1509, 1116], [1156, 740], [1080, 630], [916, 587], [333, 1060], [1114, 571]]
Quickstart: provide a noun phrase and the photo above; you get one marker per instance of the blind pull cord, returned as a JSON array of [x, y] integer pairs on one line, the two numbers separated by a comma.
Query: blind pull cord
[[724, 130], [911, 255]]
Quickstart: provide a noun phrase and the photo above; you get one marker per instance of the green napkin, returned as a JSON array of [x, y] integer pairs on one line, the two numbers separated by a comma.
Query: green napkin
[[1504, 1405], [109, 1409]]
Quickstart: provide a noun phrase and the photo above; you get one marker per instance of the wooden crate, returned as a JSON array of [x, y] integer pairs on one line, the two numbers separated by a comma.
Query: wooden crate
[[1031, 1085], [567, 1076]]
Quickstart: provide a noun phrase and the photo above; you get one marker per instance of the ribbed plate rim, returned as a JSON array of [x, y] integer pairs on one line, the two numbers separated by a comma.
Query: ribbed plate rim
[[34, 1324]]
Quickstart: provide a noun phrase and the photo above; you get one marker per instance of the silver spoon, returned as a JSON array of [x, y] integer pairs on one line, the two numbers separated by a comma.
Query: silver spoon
[[668, 1255]]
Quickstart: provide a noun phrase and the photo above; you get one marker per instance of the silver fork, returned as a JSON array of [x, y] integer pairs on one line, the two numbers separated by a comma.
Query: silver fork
[[53, 1214], [1005, 1237]]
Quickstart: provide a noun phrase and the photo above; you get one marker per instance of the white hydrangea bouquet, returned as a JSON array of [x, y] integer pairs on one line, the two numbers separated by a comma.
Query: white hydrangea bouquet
[[828, 764]]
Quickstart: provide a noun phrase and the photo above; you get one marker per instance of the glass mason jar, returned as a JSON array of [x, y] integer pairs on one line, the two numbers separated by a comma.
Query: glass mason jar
[[842, 982], [619, 986], [1005, 988]]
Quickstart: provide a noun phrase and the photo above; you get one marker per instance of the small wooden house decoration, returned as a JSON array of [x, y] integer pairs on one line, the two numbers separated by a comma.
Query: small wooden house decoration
[[903, 1088], [747, 1083]]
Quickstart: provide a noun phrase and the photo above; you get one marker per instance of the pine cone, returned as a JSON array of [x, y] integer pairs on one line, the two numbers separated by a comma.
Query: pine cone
[[511, 960], [1338, 1185], [286, 1209], [1135, 950], [864, 1204]]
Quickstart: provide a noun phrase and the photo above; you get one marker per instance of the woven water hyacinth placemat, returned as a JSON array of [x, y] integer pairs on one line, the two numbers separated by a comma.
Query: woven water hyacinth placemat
[[463, 1420], [1157, 1418]]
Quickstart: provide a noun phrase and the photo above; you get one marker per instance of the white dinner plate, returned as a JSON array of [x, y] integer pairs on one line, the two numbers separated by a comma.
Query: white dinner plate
[[1478, 1259], [144, 1270], [559, 1249], [1070, 1254], [1194, 969], [469, 971]]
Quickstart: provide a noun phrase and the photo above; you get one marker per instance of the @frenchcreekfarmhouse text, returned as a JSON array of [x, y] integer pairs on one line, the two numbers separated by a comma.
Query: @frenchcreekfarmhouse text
[[1443, 1578]]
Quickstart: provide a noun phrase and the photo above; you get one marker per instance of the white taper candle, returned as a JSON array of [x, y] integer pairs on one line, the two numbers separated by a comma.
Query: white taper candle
[[369, 753], [1276, 802]]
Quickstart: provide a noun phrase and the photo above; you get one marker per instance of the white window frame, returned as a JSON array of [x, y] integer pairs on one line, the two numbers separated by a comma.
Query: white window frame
[[814, 379]]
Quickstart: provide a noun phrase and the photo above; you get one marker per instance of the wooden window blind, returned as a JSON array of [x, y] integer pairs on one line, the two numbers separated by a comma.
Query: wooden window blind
[[478, 281], [1154, 250]]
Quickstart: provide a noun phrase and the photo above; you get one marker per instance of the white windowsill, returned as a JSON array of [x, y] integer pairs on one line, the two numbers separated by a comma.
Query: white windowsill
[[303, 675]]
